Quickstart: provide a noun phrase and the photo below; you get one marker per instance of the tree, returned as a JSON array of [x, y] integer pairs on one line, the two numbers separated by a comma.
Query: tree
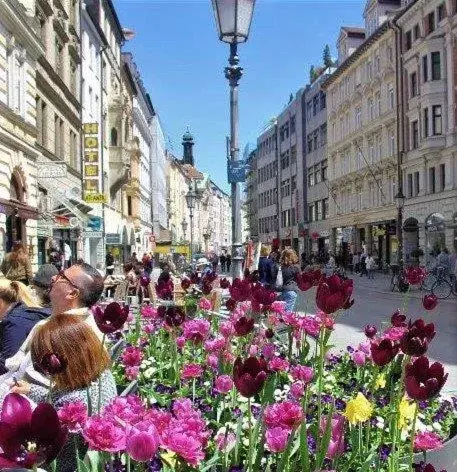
[[327, 57], [312, 74]]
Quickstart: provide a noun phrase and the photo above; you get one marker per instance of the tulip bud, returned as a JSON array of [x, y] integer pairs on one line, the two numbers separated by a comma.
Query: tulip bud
[[370, 331], [430, 301]]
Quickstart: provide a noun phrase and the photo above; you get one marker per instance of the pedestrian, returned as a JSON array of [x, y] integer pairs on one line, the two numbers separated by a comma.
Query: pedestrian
[[19, 313], [228, 262], [55, 255], [355, 262], [363, 267], [214, 262], [289, 270], [41, 283], [444, 260], [16, 264], [109, 263], [265, 267], [67, 254], [86, 375], [133, 259], [223, 260], [370, 266]]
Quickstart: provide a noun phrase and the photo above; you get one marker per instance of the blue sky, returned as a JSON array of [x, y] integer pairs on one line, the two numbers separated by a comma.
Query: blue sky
[[181, 61]]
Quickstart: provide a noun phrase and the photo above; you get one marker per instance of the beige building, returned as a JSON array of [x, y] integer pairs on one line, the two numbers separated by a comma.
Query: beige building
[[430, 123], [362, 153], [20, 48]]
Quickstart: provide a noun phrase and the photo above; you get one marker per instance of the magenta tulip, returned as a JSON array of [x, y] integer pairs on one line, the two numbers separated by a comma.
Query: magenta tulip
[[141, 446]]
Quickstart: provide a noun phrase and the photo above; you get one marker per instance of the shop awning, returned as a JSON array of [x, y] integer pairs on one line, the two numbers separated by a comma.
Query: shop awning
[[14, 207], [63, 210]]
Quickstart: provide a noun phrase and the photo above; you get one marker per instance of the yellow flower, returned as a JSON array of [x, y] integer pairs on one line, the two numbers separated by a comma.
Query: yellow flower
[[406, 412], [359, 409], [380, 381], [169, 458]]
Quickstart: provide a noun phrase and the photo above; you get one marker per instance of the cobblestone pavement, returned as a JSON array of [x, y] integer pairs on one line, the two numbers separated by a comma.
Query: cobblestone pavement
[[374, 304]]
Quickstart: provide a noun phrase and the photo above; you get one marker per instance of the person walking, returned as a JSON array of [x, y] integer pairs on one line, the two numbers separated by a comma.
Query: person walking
[[109, 263], [55, 255], [289, 270], [223, 261], [265, 267], [370, 266], [228, 262], [16, 264]]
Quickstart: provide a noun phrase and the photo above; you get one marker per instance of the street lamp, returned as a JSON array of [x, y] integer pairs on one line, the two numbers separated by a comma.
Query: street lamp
[[233, 20], [400, 200], [191, 199]]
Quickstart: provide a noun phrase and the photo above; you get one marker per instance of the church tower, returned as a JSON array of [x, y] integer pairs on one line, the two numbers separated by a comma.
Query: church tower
[[188, 144]]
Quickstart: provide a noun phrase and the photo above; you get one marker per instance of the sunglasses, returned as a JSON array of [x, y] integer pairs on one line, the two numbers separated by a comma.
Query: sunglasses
[[63, 276]]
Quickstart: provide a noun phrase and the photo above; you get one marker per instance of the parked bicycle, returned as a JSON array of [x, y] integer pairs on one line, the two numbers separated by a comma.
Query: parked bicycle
[[398, 281], [440, 283]]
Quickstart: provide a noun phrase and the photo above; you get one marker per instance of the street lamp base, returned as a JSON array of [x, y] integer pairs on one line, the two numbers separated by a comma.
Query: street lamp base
[[237, 267]]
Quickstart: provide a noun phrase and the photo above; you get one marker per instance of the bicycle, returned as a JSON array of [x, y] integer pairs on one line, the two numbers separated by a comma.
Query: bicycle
[[444, 285], [398, 280]]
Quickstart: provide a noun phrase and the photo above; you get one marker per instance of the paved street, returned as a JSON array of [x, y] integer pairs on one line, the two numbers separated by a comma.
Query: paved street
[[374, 304]]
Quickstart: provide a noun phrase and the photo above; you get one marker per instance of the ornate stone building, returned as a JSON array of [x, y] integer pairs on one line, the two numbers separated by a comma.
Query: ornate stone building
[[362, 153], [20, 48]]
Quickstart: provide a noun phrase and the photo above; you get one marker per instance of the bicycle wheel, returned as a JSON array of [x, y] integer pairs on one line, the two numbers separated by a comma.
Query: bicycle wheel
[[441, 288], [429, 282], [393, 282]]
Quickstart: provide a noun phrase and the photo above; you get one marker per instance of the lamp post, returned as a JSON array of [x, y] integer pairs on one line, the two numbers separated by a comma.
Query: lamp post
[[184, 228], [191, 198], [400, 200], [233, 20]]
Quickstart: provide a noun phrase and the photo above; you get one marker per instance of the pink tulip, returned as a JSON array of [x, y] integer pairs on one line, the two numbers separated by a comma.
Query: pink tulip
[[104, 435], [141, 446], [426, 441], [191, 371], [278, 307], [132, 356], [132, 372], [180, 341], [269, 350], [73, 416], [184, 445], [336, 445], [149, 312], [286, 414], [276, 438], [297, 389], [227, 329], [223, 384], [204, 304], [303, 373], [359, 358], [225, 442], [213, 361], [278, 364]]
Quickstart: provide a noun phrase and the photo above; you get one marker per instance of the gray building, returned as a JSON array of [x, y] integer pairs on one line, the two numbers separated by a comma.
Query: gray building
[[315, 172]]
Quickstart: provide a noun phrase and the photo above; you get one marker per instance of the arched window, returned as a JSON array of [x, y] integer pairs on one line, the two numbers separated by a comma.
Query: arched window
[[113, 137]]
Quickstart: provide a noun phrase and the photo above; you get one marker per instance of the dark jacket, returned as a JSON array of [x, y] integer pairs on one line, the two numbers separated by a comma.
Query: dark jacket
[[288, 278], [265, 269], [15, 327]]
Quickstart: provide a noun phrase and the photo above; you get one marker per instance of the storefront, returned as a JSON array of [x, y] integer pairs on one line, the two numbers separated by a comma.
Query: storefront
[[435, 234], [381, 244], [410, 240]]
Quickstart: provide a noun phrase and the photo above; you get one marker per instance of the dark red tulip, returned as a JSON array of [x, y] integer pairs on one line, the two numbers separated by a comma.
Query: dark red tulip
[[195, 278], [308, 279], [230, 304], [224, 283], [51, 364], [415, 275], [185, 283], [164, 289], [422, 380], [240, 290], [430, 301], [243, 326], [333, 293], [370, 331], [112, 318], [29, 438], [249, 375], [263, 296], [174, 316], [416, 340], [269, 333], [383, 351], [207, 288], [398, 320], [145, 280]]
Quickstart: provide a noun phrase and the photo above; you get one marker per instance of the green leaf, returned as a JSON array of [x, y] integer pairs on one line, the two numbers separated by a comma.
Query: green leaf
[[210, 463], [325, 440], [83, 467]]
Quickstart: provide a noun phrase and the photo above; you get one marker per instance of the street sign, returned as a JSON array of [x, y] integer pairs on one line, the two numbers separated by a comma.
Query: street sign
[[94, 198], [236, 171], [94, 223], [51, 170], [113, 239], [93, 234]]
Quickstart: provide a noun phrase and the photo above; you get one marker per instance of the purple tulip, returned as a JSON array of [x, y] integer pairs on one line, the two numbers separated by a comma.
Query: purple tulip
[[112, 318]]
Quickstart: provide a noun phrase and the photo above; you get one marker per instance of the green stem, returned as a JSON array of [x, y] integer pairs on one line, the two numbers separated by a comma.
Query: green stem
[[249, 436], [320, 382], [75, 442], [413, 434], [127, 462]]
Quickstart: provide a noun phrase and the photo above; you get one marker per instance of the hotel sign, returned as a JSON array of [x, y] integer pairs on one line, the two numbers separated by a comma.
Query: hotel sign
[[92, 188]]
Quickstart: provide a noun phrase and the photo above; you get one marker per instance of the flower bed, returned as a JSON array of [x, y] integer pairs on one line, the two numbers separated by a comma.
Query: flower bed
[[262, 390]]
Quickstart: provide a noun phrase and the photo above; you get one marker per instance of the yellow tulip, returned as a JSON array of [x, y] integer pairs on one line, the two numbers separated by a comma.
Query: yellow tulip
[[380, 381], [359, 409], [406, 412]]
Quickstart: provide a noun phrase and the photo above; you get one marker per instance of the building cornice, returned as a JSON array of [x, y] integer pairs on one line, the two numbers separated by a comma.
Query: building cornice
[[17, 120]]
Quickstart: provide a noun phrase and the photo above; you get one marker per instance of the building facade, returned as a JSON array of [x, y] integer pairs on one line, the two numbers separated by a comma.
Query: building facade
[[250, 188], [429, 166], [315, 175], [361, 144], [20, 48]]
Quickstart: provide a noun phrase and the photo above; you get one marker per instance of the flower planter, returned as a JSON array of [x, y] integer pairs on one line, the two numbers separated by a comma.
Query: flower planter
[[444, 458]]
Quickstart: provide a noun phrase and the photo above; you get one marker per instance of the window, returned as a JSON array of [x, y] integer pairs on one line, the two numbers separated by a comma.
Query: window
[[56, 135], [431, 180], [324, 208], [416, 184], [292, 125], [416, 32], [73, 149], [413, 84], [424, 68], [414, 135], [437, 120], [391, 99], [441, 12], [73, 78], [426, 123], [129, 205], [408, 40], [310, 213], [293, 182], [58, 59], [310, 143], [371, 108], [318, 210], [369, 71], [436, 66], [431, 22], [442, 177], [315, 105], [41, 17], [310, 177], [323, 101], [324, 170], [113, 137], [410, 185]]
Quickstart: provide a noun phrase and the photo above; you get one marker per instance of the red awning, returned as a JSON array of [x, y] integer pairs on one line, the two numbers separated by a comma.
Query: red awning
[[14, 207]]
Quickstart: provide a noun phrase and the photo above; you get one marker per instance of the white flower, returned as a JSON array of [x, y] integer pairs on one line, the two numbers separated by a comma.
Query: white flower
[[437, 426]]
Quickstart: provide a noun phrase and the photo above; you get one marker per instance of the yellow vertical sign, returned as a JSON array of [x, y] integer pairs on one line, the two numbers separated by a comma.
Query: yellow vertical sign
[[92, 191]]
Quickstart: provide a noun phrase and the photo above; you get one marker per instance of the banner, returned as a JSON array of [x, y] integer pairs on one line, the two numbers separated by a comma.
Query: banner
[[92, 188]]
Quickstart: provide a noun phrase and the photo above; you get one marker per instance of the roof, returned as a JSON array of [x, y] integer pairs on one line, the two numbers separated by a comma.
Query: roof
[[191, 172], [354, 31], [357, 53]]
